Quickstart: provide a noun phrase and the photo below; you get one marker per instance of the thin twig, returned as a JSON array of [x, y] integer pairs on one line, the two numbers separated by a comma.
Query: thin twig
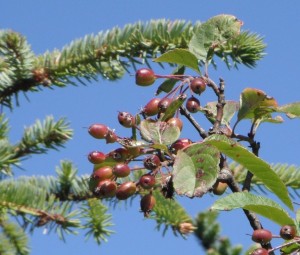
[[200, 130]]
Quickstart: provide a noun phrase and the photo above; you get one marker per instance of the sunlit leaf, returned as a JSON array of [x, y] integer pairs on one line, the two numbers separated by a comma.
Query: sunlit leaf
[[291, 110], [254, 164], [173, 107], [195, 169], [180, 57], [212, 33], [258, 204], [254, 104], [159, 132]]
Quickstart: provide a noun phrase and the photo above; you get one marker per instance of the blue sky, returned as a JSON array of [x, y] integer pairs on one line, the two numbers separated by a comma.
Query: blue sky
[[52, 24]]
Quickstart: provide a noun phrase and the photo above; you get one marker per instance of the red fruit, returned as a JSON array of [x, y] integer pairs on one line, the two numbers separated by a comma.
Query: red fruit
[[111, 137], [102, 173], [96, 157], [192, 104], [144, 77], [125, 190], [121, 170], [287, 232], [119, 155], [147, 181], [106, 188], [152, 162], [147, 203], [219, 188], [198, 85], [176, 122], [151, 108], [261, 236], [180, 144], [126, 119], [98, 131], [164, 104], [260, 251]]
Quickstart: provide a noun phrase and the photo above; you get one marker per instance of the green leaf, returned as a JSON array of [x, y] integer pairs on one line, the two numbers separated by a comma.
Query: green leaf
[[168, 84], [291, 110], [159, 132], [289, 249], [173, 107], [162, 147], [258, 204], [195, 169], [298, 217], [230, 108], [254, 164], [180, 57], [254, 104], [213, 33], [276, 120]]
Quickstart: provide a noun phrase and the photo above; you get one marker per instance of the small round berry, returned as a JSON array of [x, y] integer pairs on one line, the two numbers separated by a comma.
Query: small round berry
[[98, 131], [287, 232], [121, 170], [144, 77], [192, 104], [219, 188], [147, 181], [126, 119], [106, 188], [96, 157], [111, 137], [125, 190], [102, 173], [151, 108], [119, 154], [198, 85], [176, 122], [261, 236], [147, 203], [180, 144], [164, 104], [260, 251], [152, 162]]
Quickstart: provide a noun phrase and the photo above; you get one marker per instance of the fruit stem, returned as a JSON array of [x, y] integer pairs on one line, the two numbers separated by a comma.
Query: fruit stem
[[172, 76]]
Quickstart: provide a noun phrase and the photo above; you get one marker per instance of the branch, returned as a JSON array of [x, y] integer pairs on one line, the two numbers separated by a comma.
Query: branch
[[40, 137], [108, 54]]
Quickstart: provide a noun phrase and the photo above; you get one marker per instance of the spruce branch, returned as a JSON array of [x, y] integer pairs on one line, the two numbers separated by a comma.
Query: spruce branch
[[208, 233], [169, 213], [7, 157], [15, 239], [97, 220], [22, 198], [16, 64], [246, 48], [42, 136], [111, 53]]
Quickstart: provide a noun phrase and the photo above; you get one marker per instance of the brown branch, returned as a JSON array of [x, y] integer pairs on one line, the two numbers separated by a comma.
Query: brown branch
[[200, 130]]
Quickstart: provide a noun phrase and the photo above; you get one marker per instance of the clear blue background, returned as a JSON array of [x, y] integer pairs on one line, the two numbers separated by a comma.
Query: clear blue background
[[52, 24]]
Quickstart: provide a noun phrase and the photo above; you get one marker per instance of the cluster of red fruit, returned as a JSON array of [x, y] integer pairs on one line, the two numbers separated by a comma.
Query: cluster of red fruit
[[111, 168], [146, 77], [264, 236], [111, 173]]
